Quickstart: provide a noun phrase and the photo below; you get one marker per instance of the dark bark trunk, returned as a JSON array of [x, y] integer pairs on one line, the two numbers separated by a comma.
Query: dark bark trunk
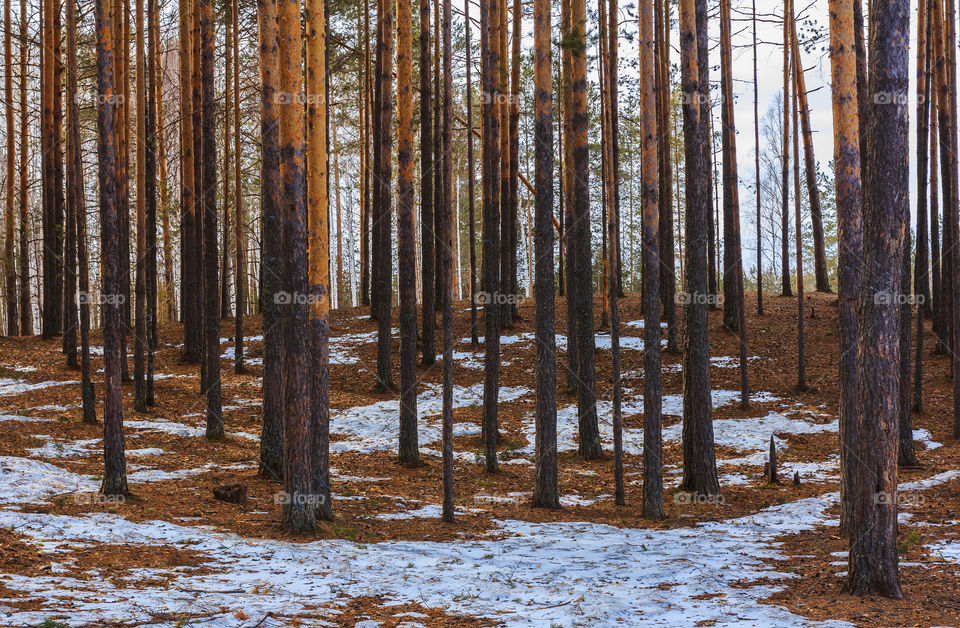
[[699, 458], [873, 568], [428, 237]]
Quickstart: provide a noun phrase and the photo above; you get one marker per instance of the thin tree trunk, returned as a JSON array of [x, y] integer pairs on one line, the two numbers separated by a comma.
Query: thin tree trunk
[[756, 164], [23, 260], [810, 168], [140, 311], [150, 189], [191, 281], [428, 237], [569, 219], [786, 289], [240, 281], [8, 221], [921, 287], [798, 231], [474, 339]]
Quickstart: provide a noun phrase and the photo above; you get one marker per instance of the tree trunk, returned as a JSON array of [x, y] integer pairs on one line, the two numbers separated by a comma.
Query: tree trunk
[[8, 251], [274, 340], [545, 491], [652, 228], [873, 566], [846, 155], [447, 265], [921, 289], [569, 218], [786, 289], [428, 237], [209, 200], [668, 279], [240, 281], [699, 459], [491, 62], [298, 513], [406, 248], [810, 168], [474, 339], [756, 164], [23, 260], [191, 281], [140, 312], [589, 432], [384, 248], [115, 474], [798, 231]]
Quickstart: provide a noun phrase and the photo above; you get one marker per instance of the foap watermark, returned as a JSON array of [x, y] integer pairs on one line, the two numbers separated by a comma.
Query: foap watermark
[[297, 298], [86, 499], [497, 298], [891, 98], [699, 499], [298, 98], [93, 97], [698, 298], [299, 499], [689, 98], [883, 297], [87, 298], [902, 500], [498, 98]]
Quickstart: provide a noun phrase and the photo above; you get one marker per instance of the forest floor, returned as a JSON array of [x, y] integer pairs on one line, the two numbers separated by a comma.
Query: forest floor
[[173, 555]]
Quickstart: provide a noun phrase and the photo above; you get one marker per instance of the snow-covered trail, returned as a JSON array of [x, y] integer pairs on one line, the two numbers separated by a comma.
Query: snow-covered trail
[[539, 575]]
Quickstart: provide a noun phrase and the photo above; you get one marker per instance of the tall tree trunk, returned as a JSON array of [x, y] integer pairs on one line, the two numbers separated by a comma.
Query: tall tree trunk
[[699, 459], [846, 156], [566, 159], [140, 312], [274, 339], [366, 213], [191, 282], [651, 226], [240, 282], [384, 246], [756, 164], [447, 263], [668, 279], [115, 473], [76, 199], [298, 513], [545, 491], [810, 168], [589, 432], [474, 339], [786, 288], [209, 200], [8, 251], [873, 566], [150, 188], [225, 270], [513, 107], [428, 237], [798, 231], [921, 287], [409, 452], [23, 258], [491, 63], [734, 314], [318, 255]]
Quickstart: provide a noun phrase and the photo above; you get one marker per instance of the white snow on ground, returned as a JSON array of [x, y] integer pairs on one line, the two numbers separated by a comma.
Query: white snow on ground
[[179, 429], [374, 427], [25, 419], [538, 575], [10, 386], [923, 436], [947, 550], [602, 341], [639, 324]]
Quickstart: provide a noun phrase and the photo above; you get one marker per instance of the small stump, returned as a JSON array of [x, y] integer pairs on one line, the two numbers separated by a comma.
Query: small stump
[[232, 493]]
